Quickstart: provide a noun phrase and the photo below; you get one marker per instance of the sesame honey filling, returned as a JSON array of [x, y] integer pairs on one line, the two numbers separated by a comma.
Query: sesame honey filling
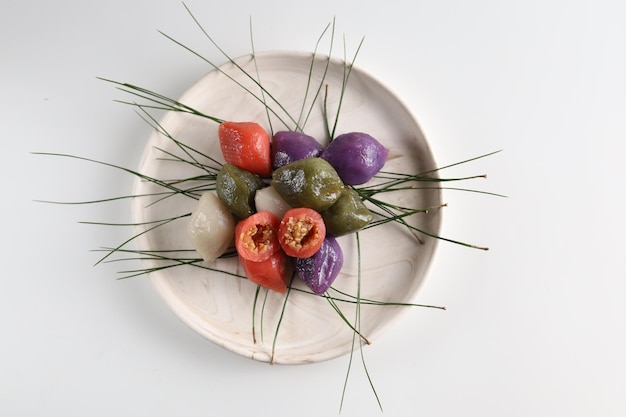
[[299, 232], [259, 238]]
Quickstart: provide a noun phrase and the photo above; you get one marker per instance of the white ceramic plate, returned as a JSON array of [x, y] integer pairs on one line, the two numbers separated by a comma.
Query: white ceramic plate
[[393, 263]]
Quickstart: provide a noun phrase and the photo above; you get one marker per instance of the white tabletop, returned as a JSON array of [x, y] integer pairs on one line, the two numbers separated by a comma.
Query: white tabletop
[[533, 327]]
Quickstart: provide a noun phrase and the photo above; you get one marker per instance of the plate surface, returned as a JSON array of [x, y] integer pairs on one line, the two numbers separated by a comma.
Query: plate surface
[[393, 262]]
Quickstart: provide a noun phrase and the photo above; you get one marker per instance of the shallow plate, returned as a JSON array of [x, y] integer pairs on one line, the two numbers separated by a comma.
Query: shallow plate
[[219, 305]]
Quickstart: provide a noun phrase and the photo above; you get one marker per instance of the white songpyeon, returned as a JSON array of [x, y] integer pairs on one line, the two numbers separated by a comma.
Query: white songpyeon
[[211, 228], [268, 199]]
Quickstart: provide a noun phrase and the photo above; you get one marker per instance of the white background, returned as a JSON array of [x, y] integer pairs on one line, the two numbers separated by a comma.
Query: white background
[[534, 326]]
